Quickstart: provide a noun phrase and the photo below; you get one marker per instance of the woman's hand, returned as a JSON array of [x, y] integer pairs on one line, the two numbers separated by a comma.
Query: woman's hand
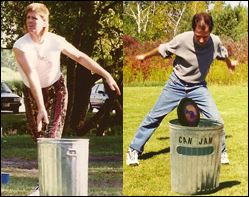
[[113, 85], [42, 116]]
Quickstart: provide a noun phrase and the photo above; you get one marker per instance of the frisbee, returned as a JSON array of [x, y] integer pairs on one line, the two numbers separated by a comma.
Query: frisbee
[[188, 113]]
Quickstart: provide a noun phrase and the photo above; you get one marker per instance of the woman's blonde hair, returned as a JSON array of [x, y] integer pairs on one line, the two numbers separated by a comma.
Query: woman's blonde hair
[[41, 10]]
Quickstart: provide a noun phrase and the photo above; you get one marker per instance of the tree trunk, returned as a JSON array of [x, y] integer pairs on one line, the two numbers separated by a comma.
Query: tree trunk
[[84, 78], [78, 77], [83, 86], [71, 75]]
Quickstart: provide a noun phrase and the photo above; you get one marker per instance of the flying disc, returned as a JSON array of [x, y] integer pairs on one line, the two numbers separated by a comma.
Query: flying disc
[[188, 113]]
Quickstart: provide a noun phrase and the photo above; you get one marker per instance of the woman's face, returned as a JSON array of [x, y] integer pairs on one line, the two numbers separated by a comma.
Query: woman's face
[[34, 22]]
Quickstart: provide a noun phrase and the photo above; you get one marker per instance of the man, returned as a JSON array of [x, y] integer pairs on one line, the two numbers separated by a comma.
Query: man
[[195, 51]]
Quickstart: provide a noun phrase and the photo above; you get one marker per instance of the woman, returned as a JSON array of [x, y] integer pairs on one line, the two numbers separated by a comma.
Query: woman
[[38, 56]]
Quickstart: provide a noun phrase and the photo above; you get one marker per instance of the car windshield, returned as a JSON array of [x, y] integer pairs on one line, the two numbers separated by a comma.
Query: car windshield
[[5, 88]]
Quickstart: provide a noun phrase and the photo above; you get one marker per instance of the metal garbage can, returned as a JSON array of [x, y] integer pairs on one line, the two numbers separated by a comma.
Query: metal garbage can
[[195, 154], [63, 167]]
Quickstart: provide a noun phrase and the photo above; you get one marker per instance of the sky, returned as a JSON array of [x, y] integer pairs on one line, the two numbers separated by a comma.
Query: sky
[[235, 3]]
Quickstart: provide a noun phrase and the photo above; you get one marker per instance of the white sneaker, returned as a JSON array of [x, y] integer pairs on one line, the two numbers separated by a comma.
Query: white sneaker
[[132, 157], [224, 158]]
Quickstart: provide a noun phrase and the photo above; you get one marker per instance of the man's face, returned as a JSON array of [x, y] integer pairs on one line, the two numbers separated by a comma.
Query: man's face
[[201, 35]]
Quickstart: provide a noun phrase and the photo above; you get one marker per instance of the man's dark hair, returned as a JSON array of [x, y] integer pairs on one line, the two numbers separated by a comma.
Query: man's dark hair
[[202, 19]]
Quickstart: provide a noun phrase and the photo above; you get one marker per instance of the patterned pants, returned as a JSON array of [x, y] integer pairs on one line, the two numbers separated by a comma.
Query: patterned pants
[[55, 100]]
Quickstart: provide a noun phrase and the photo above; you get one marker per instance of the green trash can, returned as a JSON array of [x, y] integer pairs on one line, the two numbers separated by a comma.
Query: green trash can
[[195, 154]]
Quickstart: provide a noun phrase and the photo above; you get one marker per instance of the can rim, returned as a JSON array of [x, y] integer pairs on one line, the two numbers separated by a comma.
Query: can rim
[[214, 125]]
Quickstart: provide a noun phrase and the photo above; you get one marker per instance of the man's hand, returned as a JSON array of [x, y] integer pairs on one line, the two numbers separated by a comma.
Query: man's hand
[[231, 64], [140, 57], [147, 55]]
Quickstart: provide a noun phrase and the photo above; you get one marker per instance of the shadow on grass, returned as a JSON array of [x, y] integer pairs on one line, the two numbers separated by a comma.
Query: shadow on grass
[[153, 153], [223, 185], [228, 184]]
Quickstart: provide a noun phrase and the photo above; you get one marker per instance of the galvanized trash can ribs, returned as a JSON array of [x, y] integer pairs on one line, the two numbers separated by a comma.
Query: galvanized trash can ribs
[[63, 167], [195, 154]]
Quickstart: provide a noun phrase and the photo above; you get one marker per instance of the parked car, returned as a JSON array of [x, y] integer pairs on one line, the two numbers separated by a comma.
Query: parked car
[[98, 96], [9, 100]]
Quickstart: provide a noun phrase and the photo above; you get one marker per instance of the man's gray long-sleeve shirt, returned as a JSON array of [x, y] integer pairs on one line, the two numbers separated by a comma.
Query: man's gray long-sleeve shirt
[[192, 61]]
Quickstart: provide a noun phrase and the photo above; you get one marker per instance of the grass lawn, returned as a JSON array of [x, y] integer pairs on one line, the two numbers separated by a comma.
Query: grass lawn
[[152, 176], [105, 171]]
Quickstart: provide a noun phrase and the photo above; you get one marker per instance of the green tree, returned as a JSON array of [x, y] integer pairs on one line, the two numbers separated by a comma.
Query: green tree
[[160, 19], [241, 30], [231, 22], [192, 8], [137, 16]]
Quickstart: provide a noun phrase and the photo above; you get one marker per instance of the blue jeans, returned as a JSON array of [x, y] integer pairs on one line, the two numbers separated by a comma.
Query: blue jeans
[[174, 90]]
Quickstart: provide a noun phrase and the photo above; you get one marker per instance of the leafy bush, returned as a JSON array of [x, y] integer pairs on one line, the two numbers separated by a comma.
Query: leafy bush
[[14, 124], [219, 74], [16, 86], [137, 72], [129, 41], [237, 50]]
